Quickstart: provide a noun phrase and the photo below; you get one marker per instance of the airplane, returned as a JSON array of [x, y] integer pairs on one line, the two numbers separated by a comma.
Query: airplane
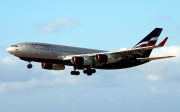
[[56, 57]]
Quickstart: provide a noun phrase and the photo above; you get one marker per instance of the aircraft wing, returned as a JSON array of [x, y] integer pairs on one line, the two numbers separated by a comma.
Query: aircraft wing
[[131, 52], [119, 54], [116, 53]]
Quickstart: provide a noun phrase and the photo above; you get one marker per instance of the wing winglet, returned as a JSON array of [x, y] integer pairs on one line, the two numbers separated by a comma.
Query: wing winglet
[[163, 42]]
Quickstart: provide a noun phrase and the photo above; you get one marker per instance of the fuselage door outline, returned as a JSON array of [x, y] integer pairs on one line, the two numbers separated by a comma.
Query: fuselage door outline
[[28, 47], [54, 50]]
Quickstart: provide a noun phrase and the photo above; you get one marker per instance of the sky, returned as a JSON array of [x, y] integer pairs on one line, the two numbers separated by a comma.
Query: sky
[[106, 25]]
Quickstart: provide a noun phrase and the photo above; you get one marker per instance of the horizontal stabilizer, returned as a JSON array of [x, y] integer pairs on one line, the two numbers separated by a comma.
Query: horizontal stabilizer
[[154, 58]]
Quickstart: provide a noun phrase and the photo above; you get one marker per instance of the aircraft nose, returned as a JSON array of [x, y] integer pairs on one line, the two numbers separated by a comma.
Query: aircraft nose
[[9, 50]]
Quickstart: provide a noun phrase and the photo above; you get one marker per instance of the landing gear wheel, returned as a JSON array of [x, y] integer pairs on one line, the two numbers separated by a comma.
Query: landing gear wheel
[[93, 71], [72, 72], [29, 66], [85, 71], [89, 73], [75, 72]]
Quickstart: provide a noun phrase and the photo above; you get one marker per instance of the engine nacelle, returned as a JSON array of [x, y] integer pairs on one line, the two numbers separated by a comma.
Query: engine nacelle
[[81, 61], [52, 66], [103, 58]]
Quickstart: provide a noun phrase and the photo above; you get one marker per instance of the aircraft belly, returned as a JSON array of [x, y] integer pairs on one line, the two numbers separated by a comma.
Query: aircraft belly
[[120, 65]]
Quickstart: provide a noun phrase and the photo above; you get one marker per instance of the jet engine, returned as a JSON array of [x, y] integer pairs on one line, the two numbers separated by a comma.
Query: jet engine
[[103, 58], [52, 66], [81, 61]]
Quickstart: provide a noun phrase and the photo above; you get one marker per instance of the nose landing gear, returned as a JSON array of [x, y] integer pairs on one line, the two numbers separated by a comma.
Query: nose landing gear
[[29, 66]]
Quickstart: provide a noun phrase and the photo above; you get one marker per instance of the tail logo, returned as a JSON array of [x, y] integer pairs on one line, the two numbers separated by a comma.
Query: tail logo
[[151, 42]]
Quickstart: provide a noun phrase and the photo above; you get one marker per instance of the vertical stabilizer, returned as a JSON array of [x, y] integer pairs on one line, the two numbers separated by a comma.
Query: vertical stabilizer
[[149, 40]]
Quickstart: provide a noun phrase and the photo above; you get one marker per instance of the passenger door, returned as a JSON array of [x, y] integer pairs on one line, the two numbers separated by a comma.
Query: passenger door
[[54, 50], [28, 47]]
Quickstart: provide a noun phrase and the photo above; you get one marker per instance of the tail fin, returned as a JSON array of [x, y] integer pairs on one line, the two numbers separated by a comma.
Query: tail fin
[[150, 39]]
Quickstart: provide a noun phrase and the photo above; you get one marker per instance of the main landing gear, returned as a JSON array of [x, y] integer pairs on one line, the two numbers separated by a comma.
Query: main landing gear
[[87, 71], [75, 72], [29, 65]]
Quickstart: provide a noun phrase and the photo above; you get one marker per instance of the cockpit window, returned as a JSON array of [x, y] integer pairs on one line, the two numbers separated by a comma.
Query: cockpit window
[[14, 45]]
